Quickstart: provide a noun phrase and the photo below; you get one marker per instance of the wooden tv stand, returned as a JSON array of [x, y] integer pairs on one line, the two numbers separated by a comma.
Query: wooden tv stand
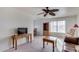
[[16, 37]]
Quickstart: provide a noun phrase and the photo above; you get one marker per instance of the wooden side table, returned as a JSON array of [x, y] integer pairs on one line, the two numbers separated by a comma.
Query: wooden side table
[[16, 37], [49, 40]]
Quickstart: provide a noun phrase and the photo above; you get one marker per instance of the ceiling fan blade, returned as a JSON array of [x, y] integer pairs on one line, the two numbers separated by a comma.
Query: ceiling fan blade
[[40, 13], [44, 10], [51, 13], [45, 14], [54, 10], [48, 11]]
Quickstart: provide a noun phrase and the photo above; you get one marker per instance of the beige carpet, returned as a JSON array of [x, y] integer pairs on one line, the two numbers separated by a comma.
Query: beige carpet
[[35, 46]]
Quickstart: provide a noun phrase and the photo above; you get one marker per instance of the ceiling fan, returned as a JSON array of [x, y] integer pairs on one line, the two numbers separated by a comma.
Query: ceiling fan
[[47, 11]]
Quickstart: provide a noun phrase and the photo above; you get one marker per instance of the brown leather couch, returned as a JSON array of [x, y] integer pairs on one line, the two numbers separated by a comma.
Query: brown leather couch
[[69, 44]]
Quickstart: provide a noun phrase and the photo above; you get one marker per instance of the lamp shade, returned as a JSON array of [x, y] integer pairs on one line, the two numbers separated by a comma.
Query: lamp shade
[[76, 25]]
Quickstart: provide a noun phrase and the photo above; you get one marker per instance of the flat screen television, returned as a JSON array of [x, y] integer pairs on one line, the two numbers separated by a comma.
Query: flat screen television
[[22, 30]]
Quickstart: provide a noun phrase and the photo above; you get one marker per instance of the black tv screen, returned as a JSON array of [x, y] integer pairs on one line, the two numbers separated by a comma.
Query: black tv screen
[[22, 30]]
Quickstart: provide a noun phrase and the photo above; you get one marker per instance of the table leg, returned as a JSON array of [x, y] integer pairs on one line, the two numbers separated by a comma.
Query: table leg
[[43, 43], [15, 44], [47, 43], [30, 38], [12, 41], [27, 39], [53, 47]]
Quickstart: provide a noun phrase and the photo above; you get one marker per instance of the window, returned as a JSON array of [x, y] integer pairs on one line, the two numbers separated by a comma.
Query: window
[[57, 26], [53, 26], [61, 26]]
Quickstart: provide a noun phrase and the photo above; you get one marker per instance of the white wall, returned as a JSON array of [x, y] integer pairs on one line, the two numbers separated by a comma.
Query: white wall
[[10, 20], [78, 25], [39, 25]]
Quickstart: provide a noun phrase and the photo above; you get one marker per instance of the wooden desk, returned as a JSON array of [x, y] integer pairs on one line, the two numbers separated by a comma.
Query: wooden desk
[[16, 37], [49, 39]]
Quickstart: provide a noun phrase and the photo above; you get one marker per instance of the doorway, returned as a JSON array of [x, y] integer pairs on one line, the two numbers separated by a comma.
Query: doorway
[[46, 29]]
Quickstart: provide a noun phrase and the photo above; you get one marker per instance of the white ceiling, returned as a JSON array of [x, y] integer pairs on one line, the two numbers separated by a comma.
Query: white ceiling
[[63, 11]]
